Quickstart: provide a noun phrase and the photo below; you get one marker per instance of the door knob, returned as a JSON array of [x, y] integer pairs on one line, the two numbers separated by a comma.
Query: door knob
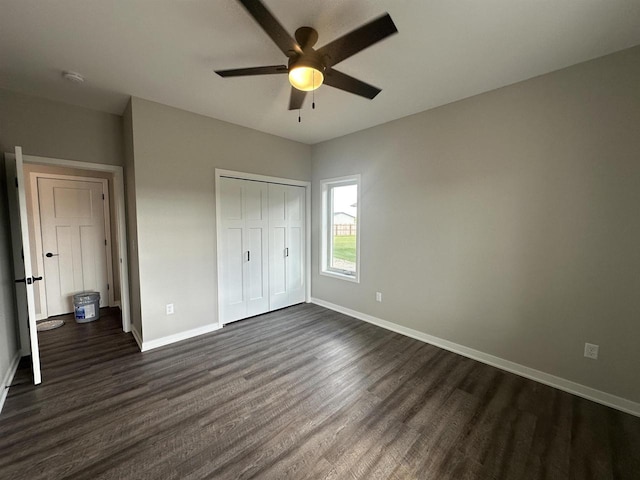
[[49, 255], [28, 280]]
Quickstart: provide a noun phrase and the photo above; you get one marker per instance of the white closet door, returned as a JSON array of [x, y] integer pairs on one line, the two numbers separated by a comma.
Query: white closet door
[[256, 229], [244, 244], [286, 242], [232, 299], [295, 244], [279, 297]]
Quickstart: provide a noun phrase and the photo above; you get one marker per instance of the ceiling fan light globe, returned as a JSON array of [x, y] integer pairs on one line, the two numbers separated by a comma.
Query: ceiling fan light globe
[[305, 78]]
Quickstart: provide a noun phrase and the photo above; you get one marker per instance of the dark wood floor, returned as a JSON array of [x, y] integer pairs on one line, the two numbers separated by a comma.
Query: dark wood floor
[[299, 393]]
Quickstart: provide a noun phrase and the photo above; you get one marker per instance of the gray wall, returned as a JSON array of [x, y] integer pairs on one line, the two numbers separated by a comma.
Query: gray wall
[[53, 129], [507, 222], [176, 153]]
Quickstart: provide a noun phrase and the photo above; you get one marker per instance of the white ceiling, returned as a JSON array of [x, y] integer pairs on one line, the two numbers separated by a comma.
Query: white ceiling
[[166, 50]]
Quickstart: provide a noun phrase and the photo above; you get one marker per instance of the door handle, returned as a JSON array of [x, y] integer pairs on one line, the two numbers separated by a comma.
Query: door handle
[[49, 255], [29, 280]]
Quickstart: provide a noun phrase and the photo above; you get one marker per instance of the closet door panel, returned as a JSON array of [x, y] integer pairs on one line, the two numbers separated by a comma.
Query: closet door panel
[[295, 272], [278, 293], [295, 244], [278, 268], [256, 214], [231, 200], [257, 284], [233, 260], [233, 305], [255, 201]]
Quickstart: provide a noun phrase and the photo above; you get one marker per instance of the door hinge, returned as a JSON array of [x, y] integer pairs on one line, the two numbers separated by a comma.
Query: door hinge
[[105, 242], [103, 196], [16, 182], [107, 286]]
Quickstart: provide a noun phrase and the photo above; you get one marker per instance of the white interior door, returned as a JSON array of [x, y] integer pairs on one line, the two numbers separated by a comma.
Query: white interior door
[[73, 241], [244, 247], [22, 263], [286, 245]]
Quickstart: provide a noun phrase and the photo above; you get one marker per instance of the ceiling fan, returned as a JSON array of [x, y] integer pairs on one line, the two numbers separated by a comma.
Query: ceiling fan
[[309, 68]]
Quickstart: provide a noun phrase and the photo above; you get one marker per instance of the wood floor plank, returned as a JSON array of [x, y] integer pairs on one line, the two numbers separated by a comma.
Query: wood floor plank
[[301, 393]]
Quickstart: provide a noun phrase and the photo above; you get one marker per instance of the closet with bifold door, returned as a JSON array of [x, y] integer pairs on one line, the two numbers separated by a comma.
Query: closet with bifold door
[[262, 247]]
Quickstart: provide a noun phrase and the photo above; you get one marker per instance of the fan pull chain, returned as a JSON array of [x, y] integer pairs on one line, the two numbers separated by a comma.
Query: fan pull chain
[[313, 92], [299, 117]]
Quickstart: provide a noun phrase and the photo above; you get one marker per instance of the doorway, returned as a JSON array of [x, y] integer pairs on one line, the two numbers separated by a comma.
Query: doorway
[[71, 228], [42, 175], [22, 228]]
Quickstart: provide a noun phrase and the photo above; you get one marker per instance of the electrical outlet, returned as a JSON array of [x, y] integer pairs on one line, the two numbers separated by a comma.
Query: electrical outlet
[[378, 296], [591, 350], [169, 308]]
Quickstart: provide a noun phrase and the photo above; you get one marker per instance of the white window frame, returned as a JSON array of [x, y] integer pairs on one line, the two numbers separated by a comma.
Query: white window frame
[[326, 231]]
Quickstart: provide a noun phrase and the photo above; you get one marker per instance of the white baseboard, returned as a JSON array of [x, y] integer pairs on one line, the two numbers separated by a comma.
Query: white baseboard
[[137, 337], [8, 378], [116, 303], [161, 342], [613, 401]]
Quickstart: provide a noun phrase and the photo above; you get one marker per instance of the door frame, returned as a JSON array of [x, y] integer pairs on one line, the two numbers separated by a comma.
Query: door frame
[[37, 225], [120, 219], [220, 173]]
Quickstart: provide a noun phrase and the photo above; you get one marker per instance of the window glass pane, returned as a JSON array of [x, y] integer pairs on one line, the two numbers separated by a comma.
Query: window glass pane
[[343, 219]]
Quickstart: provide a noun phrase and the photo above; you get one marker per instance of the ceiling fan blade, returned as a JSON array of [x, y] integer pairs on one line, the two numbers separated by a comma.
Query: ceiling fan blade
[[297, 99], [271, 26], [357, 40], [241, 72], [349, 84]]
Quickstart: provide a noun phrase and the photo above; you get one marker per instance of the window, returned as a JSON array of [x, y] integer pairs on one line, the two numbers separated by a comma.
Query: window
[[341, 227]]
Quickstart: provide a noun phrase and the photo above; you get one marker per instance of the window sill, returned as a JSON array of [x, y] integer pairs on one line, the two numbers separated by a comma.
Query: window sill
[[341, 276]]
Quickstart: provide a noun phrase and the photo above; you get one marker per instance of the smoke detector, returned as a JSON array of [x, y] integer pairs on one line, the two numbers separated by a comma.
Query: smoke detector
[[73, 77]]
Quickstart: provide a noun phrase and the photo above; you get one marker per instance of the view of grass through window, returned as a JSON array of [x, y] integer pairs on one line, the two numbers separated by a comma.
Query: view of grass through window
[[344, 247], [344, 217]]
